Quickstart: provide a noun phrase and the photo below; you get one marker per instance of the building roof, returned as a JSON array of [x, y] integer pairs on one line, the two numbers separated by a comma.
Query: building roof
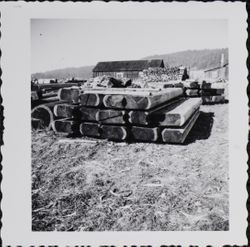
[[226, 64], [132, 65]]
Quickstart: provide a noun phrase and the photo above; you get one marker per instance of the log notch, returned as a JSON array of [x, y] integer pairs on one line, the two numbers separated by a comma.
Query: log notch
[[88, 114], [178, 135], [68, 126], [213, 99], [114, 132], [176, 115], [66, 111], [91, 99], [90, 129], [70, 95], [144, 117], [192, 92], [141, 101], [43, 115], [145, 134], [109, 116]]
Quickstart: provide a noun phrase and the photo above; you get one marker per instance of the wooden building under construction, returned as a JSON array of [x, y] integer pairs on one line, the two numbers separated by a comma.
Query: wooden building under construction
[[128, 69]]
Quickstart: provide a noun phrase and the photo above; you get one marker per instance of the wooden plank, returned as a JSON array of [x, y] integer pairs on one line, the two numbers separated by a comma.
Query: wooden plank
[[178, 135], [144, 117], [192, 92], [118, 90], [113, 132], [66, 111], [57, 85], [213, 99], [108, 116], [178, 114], [68, 126], [141, 102], [90, 129], [91, 99], [70, 95], [212, 92], [88, 114], [145, 134]]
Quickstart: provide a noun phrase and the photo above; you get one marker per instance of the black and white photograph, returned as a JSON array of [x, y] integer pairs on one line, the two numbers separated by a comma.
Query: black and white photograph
[[131, 125]]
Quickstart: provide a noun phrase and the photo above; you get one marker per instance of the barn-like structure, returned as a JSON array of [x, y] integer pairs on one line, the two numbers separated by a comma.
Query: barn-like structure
[[128, 69], [217, 73]]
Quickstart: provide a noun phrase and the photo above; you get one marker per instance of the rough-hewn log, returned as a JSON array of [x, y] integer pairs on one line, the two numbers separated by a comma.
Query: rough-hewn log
[[88, 114], [192, 92], [68, 126], [145, 134], [70, 95], [66, 111], [178, 114], [213, 99], [112, 132], [91, 99], [144, 117], [108, 116], [143, 101], [178, 135], [90, 129]]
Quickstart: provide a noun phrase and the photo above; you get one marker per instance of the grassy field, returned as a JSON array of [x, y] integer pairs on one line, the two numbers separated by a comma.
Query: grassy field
[[100, 186]]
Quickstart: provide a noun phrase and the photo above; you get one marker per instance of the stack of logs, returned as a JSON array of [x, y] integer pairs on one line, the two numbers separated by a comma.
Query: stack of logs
[[146, 115], [210, 92]]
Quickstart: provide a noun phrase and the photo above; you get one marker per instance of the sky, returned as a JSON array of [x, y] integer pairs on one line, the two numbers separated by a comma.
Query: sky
[[62, 43]]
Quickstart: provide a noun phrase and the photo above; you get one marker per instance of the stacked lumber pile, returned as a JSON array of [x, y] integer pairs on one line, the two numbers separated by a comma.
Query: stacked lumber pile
[[147, 115]]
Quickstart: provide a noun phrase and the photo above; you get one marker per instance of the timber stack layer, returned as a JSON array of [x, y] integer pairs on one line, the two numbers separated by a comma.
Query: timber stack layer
[[127, 114], [210, 92]]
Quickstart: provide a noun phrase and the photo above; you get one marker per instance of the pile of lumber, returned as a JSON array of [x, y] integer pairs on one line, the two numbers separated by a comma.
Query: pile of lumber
[[210, 92], [145, 115]]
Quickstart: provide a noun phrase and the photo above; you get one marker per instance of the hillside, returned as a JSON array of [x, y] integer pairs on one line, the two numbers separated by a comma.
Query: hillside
[[195, 59]]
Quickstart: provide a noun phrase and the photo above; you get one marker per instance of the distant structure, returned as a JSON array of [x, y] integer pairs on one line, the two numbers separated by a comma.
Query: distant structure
[[128, 69], [220, 72]]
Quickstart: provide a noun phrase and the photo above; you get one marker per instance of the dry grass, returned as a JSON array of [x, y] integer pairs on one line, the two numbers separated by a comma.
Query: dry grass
[[132, 187]]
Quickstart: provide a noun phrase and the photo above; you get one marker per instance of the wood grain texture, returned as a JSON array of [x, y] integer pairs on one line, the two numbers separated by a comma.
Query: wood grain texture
[[90, 129], [88, 114], [65, 126], [108, 116], [66, 110], [145, 134], [70, 95], [112, 132], [91, 99]]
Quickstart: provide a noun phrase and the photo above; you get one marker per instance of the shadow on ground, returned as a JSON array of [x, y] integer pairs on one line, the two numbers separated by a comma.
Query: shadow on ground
[[202, 128]]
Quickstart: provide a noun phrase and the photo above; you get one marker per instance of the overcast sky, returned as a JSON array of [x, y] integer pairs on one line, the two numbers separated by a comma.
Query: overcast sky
[[65, 43]]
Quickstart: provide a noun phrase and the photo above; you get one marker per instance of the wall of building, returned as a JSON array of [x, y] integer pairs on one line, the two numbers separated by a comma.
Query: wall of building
[[127, 74]]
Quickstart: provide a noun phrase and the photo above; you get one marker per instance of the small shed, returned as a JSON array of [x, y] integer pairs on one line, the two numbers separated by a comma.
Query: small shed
[[128, 69], [217, 73]]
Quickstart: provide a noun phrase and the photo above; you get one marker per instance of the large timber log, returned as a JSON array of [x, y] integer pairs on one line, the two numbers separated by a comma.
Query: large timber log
[[53, 86], [110, 116], [144, 117], [213, 99], [178, 135], [70, 95], [212, 92], [91, 99], [90, 129], [176, 115], [43, 115], [68, 126], [88, 114], [113, 132], [145, 134], [141, 101], [66, 111]]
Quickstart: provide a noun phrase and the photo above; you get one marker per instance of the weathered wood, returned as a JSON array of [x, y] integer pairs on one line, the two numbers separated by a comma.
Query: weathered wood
[[91, 99], [145, 134], [143, 102], [178, 114], [108, 116], [192, 92], [144, 117], [88, 114], [70, 95], [66, 111], [178, 135], [213, 99], [212, 92], [113, 132], [68, 126], [90, 129]]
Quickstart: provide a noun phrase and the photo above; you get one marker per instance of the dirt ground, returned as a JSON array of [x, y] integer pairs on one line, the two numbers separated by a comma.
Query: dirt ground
[[100, 186]]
